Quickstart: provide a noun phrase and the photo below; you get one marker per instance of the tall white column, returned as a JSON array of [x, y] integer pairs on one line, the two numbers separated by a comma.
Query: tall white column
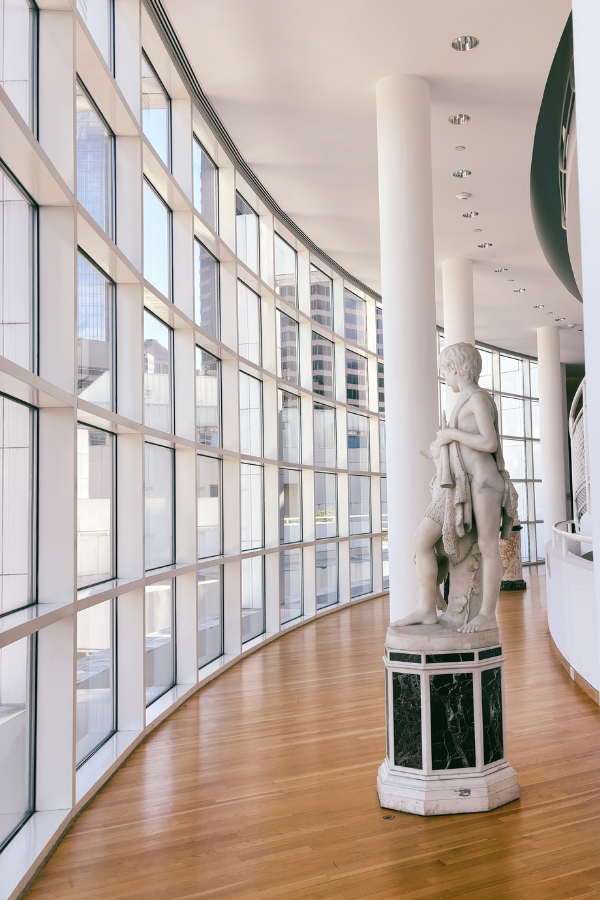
[[586, 40], [459, 311], [408, 288], [552, 428]]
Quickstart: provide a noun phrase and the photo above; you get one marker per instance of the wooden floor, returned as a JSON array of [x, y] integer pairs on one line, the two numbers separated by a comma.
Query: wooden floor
[[263, 786]]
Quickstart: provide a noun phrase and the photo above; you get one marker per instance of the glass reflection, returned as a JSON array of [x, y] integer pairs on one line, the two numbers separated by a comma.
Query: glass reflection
[[361, 580], [321, 295], [290, 506], [248, 323], [157, 374], [290, 588], [358, 442], [160, 640], [253, 598], [95, 342], [287, 348], [95, 512], [210, 615], [251, 484], [206, 273], [355, 318], [322, 365], [285, 270], [288, 417], [95, 169], [208, 402], [17, 274], [155, 112], [359, 496], [160, 548], [209, 506], [251, 432], [246, 228], [95, 679], [157, 241], [325, 505], [205, 185], [324, 435], [327, 574], [356, 380]]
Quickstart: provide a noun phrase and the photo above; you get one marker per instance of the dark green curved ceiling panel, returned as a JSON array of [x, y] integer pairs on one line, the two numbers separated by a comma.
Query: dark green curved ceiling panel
[[545, 186]]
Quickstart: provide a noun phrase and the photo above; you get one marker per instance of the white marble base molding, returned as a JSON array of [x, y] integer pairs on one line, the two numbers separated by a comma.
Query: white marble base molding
[[446, 732]]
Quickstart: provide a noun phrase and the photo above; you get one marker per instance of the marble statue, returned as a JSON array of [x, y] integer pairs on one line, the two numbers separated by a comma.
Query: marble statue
[[473, 500]]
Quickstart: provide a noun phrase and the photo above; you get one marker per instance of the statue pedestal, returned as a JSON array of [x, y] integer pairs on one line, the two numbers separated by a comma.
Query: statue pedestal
[[446, 733]]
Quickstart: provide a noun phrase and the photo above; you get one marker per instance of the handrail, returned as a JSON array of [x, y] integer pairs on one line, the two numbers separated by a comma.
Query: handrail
[[566, 536]]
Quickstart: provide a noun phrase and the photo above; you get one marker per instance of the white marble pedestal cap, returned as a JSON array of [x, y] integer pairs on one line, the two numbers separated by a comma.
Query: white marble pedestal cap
[[445, 725]]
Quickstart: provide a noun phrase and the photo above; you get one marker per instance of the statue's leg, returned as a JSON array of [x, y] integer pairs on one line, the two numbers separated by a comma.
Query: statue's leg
[[427, 535], [487, 511]]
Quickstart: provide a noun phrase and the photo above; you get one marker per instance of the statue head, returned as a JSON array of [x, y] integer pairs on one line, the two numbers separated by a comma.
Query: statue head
[[461, 359]]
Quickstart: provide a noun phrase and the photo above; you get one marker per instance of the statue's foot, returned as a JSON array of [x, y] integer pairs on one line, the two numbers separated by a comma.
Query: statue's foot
[[419, 616], [479, 623]]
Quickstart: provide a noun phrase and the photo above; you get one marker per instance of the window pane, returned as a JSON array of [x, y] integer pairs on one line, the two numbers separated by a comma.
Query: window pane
[[97, 15], [94, 164], [17, 53], [539, 500], [358, 442], [253, 598], [535, 419], [379, 315], [95, 347], [359, 491], [290, 589], [289, 427], [205, 185], [382, 448], [95, 510], [252, 506], [534, 379], [486, 379], [356, 380], [155, 112], [321, 294], [325, 505], [355, 318], [385, 562], [287, 348], [210, 615], [511, 375], [95, 678], [16, 573], [16, 798], [160, 640], [285, 270], [251, 434], [324, 436], [157, 374], [290, 505], [209, 506], [157, 241], [208, 400], [380, 388], [16, 274], [159, 506], [537, 459], [248, 323], [327, 574], [513, 416], [540, 539], [246, 227], [514, 458], [384, 506], [361, 581], [525, 544], [322, 365], [206, 272], [522, 505]]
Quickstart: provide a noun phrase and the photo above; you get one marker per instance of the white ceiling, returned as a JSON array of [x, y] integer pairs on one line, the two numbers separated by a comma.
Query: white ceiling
[[294, 84]]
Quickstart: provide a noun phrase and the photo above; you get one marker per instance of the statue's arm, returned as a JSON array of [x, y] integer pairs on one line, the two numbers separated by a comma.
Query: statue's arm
[[486, 440]]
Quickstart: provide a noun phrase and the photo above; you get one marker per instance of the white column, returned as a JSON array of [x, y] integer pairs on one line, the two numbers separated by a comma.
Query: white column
[[552, 427], [586, 39], [459, 312], [408, 287], [459, 309]]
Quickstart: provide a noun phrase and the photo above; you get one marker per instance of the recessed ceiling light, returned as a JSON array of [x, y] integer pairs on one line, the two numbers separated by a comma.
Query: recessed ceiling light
[[485, 245], [580, 329], [470, 215], [460, 147], [462, 173], [459, 119], [477, 230], [465, 42], [560, 319], [464, 195], [519, 290], [510, 279], [540, 306], [501, 269], [571, 326]]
